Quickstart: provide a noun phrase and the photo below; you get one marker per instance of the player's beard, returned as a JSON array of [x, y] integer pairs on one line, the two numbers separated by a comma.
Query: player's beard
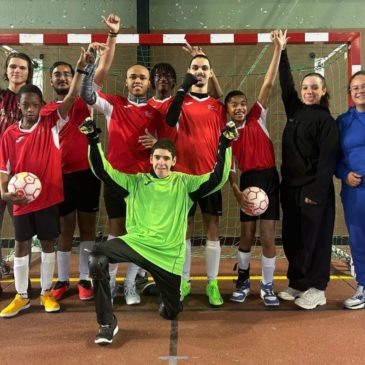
[[61, 91]]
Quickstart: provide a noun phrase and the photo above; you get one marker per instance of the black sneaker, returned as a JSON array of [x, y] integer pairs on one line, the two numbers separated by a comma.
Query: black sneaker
[[141, 280], [107, 332], [150, 289]]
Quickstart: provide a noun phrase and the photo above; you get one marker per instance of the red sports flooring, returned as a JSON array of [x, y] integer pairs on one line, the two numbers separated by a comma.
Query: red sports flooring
[[246, 333]]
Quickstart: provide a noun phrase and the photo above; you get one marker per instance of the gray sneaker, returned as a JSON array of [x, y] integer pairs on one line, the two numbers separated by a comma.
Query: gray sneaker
[[357, 301], [130, 294], [289, 294], [311, 298]]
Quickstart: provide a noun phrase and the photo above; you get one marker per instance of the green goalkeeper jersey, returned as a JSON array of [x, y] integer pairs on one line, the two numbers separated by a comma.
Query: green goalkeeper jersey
[[157, 208]]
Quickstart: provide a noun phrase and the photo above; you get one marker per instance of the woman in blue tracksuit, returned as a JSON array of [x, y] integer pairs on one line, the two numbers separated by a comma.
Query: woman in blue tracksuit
[[351, 169]]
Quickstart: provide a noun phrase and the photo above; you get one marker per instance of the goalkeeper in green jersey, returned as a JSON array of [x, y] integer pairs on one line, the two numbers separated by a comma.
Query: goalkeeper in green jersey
[[157, 208]]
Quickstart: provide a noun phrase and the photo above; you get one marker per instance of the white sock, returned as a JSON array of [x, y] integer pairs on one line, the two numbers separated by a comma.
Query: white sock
[[142, 272], [187, 263], [63, 265], [47, 270], [212, 258], [132, 271], [268, 268], [21, 275], [84, 259], [244, 260]]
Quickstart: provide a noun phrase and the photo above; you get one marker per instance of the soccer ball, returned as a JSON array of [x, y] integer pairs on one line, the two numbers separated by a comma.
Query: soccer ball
[[25, 184], [259, 198]]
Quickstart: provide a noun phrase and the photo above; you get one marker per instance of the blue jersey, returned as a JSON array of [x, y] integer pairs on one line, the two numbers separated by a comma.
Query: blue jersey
[[352, 142]]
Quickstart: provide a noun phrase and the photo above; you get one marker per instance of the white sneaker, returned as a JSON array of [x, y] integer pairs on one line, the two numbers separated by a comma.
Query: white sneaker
[[357, 301], [289, 294], [311, 299], [130, 295]]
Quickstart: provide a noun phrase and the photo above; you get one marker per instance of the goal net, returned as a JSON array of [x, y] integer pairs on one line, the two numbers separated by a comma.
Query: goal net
[[240, 61]]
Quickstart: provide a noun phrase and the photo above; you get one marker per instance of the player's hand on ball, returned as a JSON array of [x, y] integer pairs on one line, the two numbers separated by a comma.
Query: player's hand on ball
[[245, 203], [14, 198], [230, 131]]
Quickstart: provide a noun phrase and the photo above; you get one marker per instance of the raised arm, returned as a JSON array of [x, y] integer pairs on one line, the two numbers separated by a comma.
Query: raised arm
[[279, 39], [209, 183], [84, 59], [288, 93], [101, 168], [106, 59], [174, 111]]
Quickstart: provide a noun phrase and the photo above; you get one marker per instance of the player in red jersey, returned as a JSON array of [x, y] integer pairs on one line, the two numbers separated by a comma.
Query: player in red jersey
[[18, 71], [254, 153], [127, 121], [32, 145], [81, 187], [200, 119]]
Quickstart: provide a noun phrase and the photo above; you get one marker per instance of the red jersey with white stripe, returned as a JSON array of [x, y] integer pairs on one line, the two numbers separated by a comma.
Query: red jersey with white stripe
[[198, 132], [74, 144], [165, 131], [35, 150], [126, 122], [9, 110], [254, 150]]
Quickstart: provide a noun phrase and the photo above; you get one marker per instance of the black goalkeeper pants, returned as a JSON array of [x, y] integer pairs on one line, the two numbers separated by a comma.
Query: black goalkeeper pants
[[116, 250]]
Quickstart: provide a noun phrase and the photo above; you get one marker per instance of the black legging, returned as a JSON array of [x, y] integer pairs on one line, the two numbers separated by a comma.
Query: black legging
[[116, 250]]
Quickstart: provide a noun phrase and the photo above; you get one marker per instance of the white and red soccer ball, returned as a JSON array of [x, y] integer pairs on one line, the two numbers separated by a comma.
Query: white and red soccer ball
[[259, 199], [25, 184]]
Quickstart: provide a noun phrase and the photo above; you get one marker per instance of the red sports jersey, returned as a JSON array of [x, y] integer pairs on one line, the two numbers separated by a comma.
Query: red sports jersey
[[35, 150], [164, 131], [73, 143], [198, 131], [9, 110], [254, 150], [126, 122]]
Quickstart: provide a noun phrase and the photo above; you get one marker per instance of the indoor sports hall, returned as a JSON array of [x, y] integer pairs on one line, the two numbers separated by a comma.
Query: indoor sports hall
[[325, 38]]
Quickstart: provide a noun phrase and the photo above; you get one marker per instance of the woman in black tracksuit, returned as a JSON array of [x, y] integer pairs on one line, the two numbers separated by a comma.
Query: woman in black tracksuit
[[309, 153]]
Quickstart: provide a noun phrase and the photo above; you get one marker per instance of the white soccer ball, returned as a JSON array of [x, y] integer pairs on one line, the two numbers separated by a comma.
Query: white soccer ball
[[258, 197], [25, 184]]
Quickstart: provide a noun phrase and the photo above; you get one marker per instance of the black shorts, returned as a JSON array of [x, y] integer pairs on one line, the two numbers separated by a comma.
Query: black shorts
[[44, 223], [267, 180], [81, 191], [114, 203], [211, 204]]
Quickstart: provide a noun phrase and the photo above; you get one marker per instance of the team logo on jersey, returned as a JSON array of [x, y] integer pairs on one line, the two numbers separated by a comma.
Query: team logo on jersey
[[212, 107], [188, 103], [127, 106], [19, 139], [148, 114]]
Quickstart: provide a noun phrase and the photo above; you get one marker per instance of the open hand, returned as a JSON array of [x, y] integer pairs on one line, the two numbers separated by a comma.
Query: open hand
[[147, 140], [112, 21]]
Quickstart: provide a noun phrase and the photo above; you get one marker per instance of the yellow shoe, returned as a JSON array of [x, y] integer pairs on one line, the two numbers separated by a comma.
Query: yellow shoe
[[18, 304], [49, 302]]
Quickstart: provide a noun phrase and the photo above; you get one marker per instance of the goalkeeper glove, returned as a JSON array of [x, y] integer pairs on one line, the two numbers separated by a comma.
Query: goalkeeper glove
[[89, 128]]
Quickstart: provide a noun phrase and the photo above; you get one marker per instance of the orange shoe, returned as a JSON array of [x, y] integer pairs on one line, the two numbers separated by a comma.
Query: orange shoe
[[60, 288], [86, 291], [49, 302]]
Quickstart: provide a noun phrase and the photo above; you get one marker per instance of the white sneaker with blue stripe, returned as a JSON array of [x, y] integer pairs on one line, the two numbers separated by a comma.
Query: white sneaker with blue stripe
[[268, 296]]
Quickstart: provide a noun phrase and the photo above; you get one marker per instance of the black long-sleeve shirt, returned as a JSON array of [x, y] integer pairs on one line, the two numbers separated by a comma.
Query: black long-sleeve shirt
[[310, 140]]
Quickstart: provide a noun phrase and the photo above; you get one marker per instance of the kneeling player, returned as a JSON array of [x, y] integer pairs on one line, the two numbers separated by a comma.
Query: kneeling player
[[157, 208]]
